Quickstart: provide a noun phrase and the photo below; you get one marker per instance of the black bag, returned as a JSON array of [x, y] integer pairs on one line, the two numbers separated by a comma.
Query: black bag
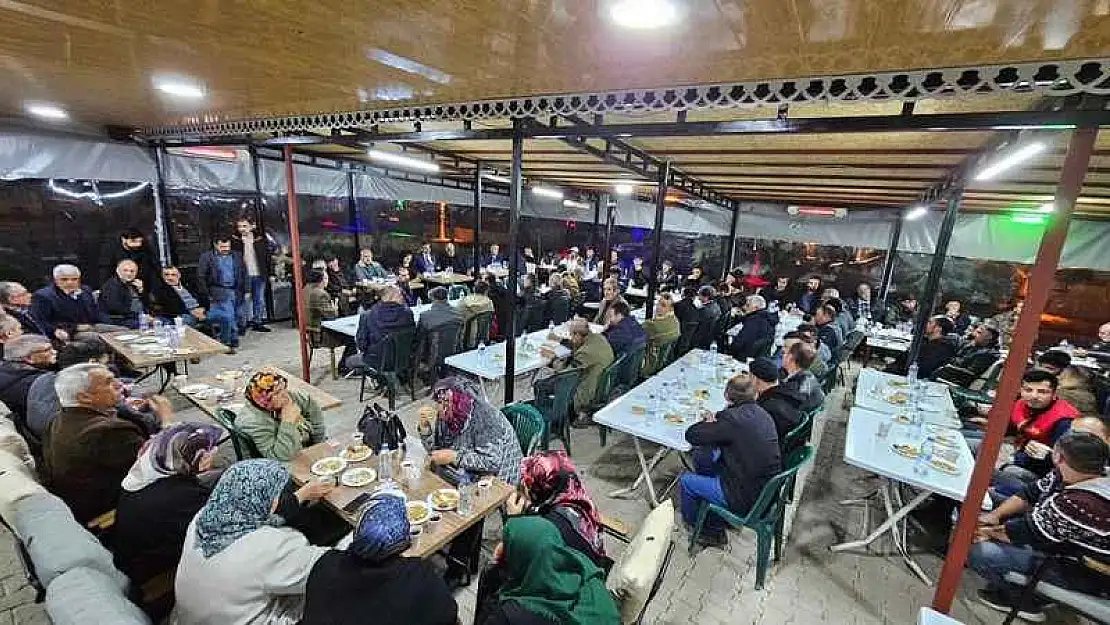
[[381, 427]]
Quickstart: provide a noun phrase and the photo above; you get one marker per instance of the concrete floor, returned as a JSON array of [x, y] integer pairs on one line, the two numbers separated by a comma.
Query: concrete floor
[[809, 585]]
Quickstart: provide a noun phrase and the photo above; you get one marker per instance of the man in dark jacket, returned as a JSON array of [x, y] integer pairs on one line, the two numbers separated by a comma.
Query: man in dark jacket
[[67, 306], [757, 331], [684, 309], [16, 302], [133, 247], [707, 315], [124, 296], [937, 349], [972, 358], [783, 403], [222, 286], [827, 329], [26, 358], [375, 325], [624, 333], [171, 298], [439, 318], [796, 361], [744, 446]]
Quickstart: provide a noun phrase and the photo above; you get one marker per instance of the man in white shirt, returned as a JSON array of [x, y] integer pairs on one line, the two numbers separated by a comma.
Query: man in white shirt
[[253, 249]]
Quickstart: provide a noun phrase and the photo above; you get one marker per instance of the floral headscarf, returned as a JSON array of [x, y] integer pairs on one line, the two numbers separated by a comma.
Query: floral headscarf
[[383, 530], [460, 396], [240, 504], [176, 450], [263, 387], [553, 484]]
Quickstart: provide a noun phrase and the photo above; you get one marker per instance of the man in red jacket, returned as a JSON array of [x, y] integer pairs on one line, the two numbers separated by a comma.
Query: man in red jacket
[[1039, 415]]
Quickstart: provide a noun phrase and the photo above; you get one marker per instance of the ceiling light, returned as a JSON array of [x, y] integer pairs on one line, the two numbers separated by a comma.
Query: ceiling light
[[554, 194], [179, 87], [497, 178], [1047, 208], [643, 14], [392, 158], [917, 213], [624, 189], [46, 110], [1009, 161], [575, 204]]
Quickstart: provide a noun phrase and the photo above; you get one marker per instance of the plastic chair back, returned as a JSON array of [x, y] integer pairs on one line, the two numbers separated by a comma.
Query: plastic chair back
[[766, 506], [607, 382], [244, 446], [442, 342], [554, 397], [662, 355], [477, 330], [528, 424], [457, 291], [629, 374], [800, 434]]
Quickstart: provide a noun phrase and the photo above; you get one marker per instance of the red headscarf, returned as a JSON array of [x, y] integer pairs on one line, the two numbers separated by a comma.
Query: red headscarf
[[552, 482]]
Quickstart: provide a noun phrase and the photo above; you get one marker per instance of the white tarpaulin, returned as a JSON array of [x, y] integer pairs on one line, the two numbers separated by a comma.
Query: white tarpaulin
[[25, 155]]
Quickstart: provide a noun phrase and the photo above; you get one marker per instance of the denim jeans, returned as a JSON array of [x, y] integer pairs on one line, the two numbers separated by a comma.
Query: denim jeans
[[223, 314], [992, 560], [1011, 480], [697, 488], [255, 312]]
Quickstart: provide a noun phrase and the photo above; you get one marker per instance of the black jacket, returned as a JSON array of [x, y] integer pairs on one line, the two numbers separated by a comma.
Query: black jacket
[[27, 321], [706, 317], [759, 326], [115, 299], [53, 309], [208, 279], [343, 589], [376, 324], [784, 404], [150, 525], [165, 301], [970, 362], [934, 355], [15, 382], [144, 257], [749, 446]]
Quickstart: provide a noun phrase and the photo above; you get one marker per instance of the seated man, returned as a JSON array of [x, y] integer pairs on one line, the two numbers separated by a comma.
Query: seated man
[[972, 358], [404, 285], [808, 333], [1011, 478], [1066, 512], [67, 307], [389, 315], [1075, 388], [827, 329], [26, 358], [170, 299], [1053, 361], [936, 350], [16, 302], [589, 352], [341, 289], [685, 309], [440, 317], [1100, 349], [124, 296], [88, 448], [474, 304], [660, 329], [783, 403], [368, 269], [737, 453], [707, 315], [797, 356], [903, 312], [10, 330], [953, 309], [757, 332], [624, 333], [319, 305], [667, 280]]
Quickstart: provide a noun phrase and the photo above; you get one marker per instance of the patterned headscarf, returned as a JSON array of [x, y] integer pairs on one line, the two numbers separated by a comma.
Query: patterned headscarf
[[240, 504], [383, 530], [461, 396], [263, 387], [176, 450], [553, 484]]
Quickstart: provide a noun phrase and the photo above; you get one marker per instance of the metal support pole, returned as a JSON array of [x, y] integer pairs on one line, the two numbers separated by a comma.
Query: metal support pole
[[478, 218], [298, 272], [260, 222], [891, 258], [657, 236], [1040, 284], [352, 212], [932, 281], [731, 258], [598, 200], [516, 190], [161, 233], [610, 216]]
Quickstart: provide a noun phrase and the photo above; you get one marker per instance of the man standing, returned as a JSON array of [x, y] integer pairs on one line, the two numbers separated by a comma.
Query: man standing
[[133, 247], [252, 251], [222, 284], [625, 335]]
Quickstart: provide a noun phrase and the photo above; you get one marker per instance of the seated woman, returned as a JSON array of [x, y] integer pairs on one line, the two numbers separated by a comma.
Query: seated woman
[[372, 582], [280, 423], [471, 438], [166, 487], [545, 582], [240, 565]]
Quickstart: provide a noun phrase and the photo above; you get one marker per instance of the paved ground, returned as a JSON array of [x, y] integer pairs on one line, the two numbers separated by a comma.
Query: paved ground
[[809, 585]]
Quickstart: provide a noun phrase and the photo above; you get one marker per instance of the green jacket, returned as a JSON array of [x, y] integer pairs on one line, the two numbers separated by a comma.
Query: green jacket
[[660, 330], [592, 357], [278, 439], [472, 305], [319, 305]]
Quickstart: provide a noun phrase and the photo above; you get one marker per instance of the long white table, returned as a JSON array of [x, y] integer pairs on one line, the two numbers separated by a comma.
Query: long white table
[[528, 359], [349, 325], [675, 387], [866, 448], [876, 390]]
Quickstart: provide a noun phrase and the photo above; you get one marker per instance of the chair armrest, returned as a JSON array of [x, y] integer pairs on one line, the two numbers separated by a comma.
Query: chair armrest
[[616, 528]]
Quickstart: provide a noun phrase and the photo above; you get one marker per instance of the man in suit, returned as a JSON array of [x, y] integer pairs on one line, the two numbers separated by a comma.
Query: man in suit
[[589, 352], [253, 250], [495, 257], [425, 262], [67, 307], [16, 301], [222, 283], [451, 260]]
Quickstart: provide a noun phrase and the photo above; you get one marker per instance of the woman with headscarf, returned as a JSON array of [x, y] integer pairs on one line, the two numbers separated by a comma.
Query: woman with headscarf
[[169, 482], [372, 582], [546, 582], [240, 564], [279, 422], [466, 435]]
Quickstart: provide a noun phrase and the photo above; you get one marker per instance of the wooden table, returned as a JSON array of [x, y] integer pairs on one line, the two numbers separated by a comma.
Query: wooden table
[[296, 385], [194, 344], [447, 278], [435, 535]]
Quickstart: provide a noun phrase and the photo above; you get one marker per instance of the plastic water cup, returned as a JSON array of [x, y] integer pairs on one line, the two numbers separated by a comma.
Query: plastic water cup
[[884, 430]]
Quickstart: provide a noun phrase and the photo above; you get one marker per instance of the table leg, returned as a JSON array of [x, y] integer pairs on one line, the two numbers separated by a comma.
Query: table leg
[[886, 525], [645, 472]]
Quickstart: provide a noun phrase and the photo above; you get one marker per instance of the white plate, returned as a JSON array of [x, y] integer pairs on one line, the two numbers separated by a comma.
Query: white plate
[[319, 468], [349, 457], [193, 389], [126, 337], [146, 339], [419, 504], [439, 508], [358, 477]]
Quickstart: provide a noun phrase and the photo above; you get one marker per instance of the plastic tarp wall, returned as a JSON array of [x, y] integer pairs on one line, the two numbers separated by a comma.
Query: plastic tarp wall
[[987, 237], [26, 155], [714, 221]]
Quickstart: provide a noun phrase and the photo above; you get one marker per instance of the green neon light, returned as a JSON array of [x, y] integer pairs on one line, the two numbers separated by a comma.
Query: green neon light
[[1028, 219]]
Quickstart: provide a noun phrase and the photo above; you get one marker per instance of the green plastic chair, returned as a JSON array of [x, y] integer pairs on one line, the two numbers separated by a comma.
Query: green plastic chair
[[458, 291], [244, 446], [554, 397], [764, 517], [477, 330], [629, 374], [529, 425], [801, 432], [605, 385], [661, 356]]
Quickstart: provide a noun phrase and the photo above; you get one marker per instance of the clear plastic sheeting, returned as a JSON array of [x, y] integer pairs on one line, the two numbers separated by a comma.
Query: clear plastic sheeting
[[309, 180], [208, 174], [24, 155], [633, 213], [382, 188]]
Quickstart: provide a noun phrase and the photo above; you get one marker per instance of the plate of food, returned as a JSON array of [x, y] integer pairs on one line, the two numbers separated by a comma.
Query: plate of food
[[944, 466], [674, 419], [126, 337], [358, 477], [141, 340], [701, 394], [356, 453], [638, 409], [418, 512], [444, 499], [907, 450], [898, 398], [900, 383], [332, 465], [229, 374], [192, 389], [182, 351], [903, 418]]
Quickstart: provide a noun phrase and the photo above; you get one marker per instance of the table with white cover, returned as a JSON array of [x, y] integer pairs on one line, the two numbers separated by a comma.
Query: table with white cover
[[866, 447], [890, 339], [492, 367], [676, 388], [348, 325]]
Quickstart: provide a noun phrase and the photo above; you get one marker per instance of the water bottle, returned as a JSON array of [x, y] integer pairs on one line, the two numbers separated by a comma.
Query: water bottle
[[482, 360], [466, 495], [385, 464], [656, 407], [144, 321], [924, 457], [911, 375], [551, 326], [713, 360]]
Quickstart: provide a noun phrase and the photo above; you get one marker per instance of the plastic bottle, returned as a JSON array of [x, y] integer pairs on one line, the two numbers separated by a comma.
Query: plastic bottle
[[912, 375], [482, 360], [924, 457], [385, 464], [466, 495], [551, 326]]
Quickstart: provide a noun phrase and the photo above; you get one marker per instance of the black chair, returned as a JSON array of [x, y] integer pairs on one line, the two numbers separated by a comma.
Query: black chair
[[554, 398], [436, 346], [394, 366], [476, 330], [535, 314], [685, 338]]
